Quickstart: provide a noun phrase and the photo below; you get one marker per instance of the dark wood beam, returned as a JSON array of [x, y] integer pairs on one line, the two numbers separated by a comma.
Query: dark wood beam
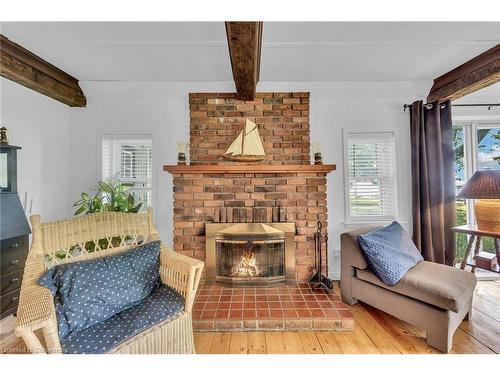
[[481, 71], [245, 41], [24, 67]]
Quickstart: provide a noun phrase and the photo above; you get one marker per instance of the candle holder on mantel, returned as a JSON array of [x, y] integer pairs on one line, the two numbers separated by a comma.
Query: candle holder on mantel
[[3, 136], [317, 148], [182, 153]]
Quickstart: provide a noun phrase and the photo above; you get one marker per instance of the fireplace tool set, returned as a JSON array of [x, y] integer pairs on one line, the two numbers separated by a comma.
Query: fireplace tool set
[[318, 280]]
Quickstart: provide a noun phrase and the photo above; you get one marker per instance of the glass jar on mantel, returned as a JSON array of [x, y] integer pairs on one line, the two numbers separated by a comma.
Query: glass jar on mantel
[[182, 153], [317, 152]]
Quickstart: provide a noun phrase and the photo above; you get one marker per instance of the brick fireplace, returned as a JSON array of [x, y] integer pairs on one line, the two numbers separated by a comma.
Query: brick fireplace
[[282, 193], [283, 188]]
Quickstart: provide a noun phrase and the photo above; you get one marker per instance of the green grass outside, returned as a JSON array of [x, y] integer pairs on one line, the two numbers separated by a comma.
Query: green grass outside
[[487, 242]]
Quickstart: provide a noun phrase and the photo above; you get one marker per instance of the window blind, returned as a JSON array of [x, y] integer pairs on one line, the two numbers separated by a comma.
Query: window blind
[[371, 176], [130, 160]]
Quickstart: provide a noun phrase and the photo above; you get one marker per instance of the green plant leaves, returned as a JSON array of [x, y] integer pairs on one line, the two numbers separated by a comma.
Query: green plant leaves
[[111, 196], [105, 187]]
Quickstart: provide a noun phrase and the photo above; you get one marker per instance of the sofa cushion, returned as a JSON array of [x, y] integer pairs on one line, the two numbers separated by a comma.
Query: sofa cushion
[[89, 292], [162, 304], [442, 286], [390, 252]]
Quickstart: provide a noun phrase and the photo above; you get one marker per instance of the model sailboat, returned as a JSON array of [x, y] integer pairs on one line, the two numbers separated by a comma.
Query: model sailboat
[[247, 146]]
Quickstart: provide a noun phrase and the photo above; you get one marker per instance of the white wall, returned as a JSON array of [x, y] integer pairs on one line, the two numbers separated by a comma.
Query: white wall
[[41, 127], [161, 110]]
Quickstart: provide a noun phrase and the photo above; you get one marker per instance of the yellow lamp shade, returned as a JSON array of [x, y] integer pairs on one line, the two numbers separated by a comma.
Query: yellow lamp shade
[[487, 213]]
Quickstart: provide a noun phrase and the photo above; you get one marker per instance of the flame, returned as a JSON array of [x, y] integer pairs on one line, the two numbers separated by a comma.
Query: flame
[[247, 267]]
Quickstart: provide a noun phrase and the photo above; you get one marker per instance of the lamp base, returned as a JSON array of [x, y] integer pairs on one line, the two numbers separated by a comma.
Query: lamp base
[[487, 213]]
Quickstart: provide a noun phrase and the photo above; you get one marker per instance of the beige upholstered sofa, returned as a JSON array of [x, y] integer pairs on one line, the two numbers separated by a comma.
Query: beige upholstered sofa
[[430, 296]]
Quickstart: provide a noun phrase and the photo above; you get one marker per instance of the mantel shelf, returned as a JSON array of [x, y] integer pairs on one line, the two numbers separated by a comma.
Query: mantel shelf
[[256, 168]]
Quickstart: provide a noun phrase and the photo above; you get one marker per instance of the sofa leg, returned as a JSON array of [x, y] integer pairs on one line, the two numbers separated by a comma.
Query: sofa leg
[[347, 273], [350, 300], [345, 293], [442, 340]]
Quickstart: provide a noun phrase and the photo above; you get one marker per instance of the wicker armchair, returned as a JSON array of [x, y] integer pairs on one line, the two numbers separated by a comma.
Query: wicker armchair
[[94, 236]]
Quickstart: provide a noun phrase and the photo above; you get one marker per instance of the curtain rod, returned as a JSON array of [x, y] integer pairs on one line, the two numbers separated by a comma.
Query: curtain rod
[[429, 106]]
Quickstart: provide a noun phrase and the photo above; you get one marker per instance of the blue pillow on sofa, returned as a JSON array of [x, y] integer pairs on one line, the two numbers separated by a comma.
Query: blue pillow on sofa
[[89, 292], [389, 252]]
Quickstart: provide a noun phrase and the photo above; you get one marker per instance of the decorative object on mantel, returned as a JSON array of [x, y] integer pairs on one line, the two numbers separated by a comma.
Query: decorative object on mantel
[[182, 153], [485, 187], [247, 146], [3, 136], [317, 152], [317, 279], [14, 230]]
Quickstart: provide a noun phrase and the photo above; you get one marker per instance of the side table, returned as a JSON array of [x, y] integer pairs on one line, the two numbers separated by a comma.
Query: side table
[[475, 240]]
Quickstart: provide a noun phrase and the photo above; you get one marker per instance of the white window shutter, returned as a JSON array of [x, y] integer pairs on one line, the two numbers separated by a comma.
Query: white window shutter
[[107, 166], [371, 176], [131, 161]]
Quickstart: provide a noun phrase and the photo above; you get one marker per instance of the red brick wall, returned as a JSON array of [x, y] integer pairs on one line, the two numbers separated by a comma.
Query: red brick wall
[[215, 121], [282, 118], [250, 197]]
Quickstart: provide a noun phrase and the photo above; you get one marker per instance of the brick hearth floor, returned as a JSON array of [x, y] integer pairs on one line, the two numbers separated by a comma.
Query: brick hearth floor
[[283, 308]]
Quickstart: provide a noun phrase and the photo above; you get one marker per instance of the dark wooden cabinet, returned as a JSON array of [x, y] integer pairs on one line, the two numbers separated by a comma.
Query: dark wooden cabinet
[[10, 282], [14, 234]]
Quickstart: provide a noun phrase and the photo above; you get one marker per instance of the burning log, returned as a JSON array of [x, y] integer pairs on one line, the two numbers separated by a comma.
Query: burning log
[[247, 265]]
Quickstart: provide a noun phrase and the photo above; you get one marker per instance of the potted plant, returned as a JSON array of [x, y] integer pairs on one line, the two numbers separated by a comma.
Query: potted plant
[[112, 195]]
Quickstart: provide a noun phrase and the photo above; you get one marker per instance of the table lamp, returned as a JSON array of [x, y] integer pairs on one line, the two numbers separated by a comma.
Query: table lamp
[[484, 186]]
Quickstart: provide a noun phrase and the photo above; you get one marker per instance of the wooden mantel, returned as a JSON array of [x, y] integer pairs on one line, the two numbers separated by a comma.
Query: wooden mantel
[[258, 168]]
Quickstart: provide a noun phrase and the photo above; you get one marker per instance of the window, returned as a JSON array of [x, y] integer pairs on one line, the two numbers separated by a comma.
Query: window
[[477, 147], [130, 160], [370, 178]]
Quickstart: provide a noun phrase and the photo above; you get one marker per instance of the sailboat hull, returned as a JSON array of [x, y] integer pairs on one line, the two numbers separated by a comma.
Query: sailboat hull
[[244, 158]]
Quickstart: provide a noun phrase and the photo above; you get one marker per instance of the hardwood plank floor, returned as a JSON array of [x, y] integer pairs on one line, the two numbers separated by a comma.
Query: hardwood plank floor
[[378, 332], [375, 332]]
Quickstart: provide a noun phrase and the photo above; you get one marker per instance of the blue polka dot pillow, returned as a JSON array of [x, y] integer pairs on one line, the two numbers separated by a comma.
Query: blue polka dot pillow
[[89, 292], [389, 252]]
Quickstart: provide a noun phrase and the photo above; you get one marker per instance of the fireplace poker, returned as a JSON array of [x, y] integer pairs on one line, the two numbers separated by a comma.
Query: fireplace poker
[[317, 279]]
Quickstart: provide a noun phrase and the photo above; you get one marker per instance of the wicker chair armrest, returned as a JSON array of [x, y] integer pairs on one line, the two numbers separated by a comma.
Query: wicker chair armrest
[[36, 308], [36, 313], [181, 273]]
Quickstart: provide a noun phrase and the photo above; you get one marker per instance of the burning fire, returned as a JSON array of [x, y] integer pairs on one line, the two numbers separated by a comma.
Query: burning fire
[[247, 267]]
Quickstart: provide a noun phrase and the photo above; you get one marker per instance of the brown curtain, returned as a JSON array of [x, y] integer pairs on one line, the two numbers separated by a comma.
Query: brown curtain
[[433, 181]]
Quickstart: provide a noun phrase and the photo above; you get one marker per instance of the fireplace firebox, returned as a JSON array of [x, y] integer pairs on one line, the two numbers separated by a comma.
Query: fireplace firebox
[[250, 254]]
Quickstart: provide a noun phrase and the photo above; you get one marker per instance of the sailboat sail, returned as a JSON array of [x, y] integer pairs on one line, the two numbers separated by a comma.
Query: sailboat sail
[[247, 143], [252, 144], [235, 147]]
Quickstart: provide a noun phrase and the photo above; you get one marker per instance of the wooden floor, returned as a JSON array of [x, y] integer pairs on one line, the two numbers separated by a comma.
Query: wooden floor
[[375, 332]]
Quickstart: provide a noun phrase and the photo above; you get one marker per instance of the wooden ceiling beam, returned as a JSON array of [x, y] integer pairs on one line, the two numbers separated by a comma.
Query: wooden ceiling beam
[[245, 41], [481, 71], [25, 68]]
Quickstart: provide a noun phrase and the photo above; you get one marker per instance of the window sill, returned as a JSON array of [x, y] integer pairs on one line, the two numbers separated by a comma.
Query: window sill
[[351, 224]]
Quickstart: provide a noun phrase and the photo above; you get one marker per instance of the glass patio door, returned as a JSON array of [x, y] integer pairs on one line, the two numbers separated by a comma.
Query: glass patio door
[[477, 147]]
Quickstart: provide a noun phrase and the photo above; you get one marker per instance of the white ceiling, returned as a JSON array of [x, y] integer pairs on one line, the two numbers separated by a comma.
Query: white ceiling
[[292, 51]]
